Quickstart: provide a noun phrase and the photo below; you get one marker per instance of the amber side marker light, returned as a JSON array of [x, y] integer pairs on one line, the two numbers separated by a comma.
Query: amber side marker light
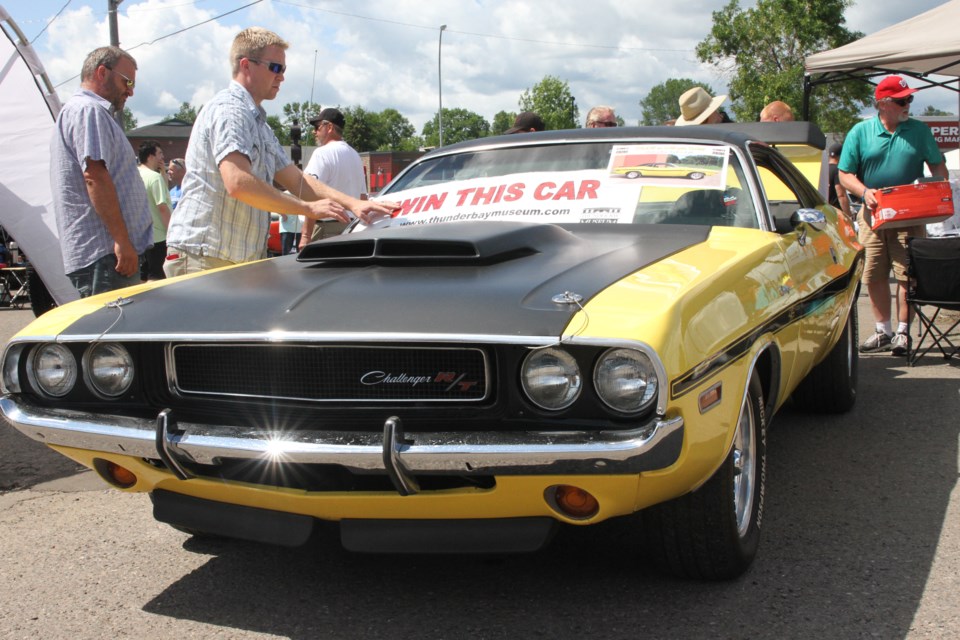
[[573, 502], [710, 398], [115, 474]]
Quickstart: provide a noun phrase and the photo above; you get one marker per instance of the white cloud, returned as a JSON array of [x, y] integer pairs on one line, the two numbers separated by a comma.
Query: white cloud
[[383, 53]]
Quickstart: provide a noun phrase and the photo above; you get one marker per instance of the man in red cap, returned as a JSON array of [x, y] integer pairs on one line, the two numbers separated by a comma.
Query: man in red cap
[[885, 151]]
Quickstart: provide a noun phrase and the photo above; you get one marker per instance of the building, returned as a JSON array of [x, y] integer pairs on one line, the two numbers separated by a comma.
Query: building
[[172, 135]]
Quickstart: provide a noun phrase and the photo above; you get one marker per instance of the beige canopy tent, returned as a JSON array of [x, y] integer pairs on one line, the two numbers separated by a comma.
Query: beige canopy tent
[[923, 46]]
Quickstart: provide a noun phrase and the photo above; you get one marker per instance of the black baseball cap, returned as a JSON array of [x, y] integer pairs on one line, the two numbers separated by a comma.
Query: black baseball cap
[[835, 150], [526, 121], [331, 115]]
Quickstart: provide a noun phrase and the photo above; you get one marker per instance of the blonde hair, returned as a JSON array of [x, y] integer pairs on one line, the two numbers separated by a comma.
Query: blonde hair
[[251, 42]]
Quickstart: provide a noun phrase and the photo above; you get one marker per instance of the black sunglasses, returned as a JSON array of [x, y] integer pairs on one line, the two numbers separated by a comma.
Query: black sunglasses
[[274, 67], [902, 101]]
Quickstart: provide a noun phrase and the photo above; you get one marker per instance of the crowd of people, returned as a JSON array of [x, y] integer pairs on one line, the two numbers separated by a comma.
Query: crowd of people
[[116, 210], [124, 218]]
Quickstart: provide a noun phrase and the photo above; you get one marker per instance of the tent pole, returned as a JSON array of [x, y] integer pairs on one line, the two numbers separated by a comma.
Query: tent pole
[[807, 88]]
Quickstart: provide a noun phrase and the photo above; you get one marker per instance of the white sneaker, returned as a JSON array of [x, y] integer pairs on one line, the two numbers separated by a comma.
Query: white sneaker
[[900, 344]]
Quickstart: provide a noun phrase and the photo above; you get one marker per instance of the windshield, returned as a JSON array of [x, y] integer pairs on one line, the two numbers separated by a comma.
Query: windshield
[[584, 183]]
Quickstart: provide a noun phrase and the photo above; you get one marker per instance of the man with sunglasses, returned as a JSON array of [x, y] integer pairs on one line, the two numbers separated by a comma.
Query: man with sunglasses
[[336, 163], [601, 116], [100, 203], [885, 151], [234, 159]]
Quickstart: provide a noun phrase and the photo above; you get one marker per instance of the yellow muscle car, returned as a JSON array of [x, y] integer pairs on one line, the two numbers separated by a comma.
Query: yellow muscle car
[[527, 343]]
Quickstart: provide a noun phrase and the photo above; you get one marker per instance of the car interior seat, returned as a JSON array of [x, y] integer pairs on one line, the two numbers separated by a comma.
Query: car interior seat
[[700, 207]]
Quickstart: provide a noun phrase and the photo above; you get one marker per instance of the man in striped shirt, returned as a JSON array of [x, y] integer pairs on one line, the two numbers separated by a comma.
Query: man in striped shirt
[[233, 159], [103, 219]]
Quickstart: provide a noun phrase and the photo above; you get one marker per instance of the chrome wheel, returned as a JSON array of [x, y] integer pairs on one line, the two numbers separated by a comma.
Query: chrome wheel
[[744, 467]]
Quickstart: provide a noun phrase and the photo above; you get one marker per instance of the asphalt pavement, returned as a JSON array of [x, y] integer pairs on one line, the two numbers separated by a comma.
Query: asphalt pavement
[[861, 540]]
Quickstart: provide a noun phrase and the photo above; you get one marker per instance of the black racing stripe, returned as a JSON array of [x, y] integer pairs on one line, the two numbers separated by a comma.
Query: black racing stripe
[[508, 296], [741, 346]]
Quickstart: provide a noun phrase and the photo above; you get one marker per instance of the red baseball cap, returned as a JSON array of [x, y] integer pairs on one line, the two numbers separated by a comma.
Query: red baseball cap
[[892, 87]]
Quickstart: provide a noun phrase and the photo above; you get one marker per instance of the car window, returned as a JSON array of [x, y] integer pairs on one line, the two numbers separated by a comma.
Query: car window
[[785, 188], [578, 183]]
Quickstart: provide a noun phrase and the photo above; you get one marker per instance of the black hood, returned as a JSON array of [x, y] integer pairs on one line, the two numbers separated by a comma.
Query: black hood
[[496, 278]]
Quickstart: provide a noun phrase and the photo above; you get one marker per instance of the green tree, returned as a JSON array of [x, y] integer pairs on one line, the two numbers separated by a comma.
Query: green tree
[[663, 101], [301, 112], [458, 125], [552, 100], [282, 132], [761, 52], [396, 132], [187, 113], [933, 111], [129, 122], [363, 131], [502, 121]]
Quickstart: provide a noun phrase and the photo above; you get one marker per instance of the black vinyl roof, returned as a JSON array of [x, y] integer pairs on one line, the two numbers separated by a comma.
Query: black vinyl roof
[[738, 133]]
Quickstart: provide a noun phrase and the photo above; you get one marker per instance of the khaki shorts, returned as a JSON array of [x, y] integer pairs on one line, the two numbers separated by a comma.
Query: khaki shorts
[[180, 263], [327, 228], [885, 248]]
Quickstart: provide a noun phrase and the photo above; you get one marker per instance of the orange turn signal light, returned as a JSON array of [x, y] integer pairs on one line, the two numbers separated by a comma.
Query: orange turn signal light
[[113, 473], [574, 502]]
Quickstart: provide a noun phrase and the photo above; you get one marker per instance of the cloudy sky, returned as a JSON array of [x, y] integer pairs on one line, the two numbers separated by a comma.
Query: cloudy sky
[[384, 53]]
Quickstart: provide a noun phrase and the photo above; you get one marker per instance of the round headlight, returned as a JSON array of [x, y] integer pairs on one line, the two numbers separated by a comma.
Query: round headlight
[[551, 378], [109, 368], [53, 369], [625, 380]]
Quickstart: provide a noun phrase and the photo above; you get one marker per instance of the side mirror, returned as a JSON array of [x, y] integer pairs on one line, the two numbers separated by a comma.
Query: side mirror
[[801, 219], [812, 218]]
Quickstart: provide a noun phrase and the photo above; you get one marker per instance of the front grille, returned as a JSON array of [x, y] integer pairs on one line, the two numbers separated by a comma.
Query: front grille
[[332, 373]]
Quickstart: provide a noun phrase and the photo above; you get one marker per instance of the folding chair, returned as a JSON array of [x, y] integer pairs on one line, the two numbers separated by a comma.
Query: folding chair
[[934, 272]]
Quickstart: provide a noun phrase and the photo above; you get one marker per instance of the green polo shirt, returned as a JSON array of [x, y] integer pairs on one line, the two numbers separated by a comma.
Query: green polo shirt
[[883, 159]]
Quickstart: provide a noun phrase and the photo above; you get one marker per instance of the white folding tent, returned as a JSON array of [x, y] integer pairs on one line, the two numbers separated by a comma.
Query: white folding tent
[[923, 46], [28, 108]]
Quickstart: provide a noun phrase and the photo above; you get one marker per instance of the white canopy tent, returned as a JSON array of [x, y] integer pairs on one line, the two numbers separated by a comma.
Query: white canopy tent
[[923, 46], [28, 107]]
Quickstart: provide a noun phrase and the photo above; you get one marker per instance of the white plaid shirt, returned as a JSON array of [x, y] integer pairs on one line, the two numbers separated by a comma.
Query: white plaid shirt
[[207, 221], [85, 130]]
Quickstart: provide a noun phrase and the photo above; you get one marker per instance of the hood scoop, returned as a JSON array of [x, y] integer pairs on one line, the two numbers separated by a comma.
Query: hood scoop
[[447, 243]]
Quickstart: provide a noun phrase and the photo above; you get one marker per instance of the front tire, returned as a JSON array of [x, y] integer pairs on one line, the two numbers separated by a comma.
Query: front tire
[[713, 533], [831, 387], [632, 174], [696, 175]]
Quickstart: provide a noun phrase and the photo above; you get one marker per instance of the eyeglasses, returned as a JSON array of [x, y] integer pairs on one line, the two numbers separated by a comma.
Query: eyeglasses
[[130, 83], [320, 124], [274, 67], [601, 123], [178, 163], [902, 101]]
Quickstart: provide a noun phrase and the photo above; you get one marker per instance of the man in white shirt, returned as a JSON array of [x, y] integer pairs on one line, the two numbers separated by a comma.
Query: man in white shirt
[[334, 163]]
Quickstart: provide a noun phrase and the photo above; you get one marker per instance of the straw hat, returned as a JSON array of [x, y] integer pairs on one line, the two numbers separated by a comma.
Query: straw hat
[[696, 105]]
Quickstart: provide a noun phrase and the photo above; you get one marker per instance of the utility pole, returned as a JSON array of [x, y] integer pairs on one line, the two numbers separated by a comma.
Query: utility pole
[[115, 42], [112, 6], [443, 28]]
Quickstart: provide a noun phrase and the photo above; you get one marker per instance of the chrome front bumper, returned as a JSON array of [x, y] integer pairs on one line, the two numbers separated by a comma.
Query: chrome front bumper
[[654, 445]]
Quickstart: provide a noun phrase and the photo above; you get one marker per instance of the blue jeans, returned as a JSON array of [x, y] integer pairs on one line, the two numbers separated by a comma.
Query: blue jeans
[[101, 276]]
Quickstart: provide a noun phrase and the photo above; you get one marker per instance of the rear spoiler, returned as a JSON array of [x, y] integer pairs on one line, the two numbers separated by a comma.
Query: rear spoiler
[[774, 133]]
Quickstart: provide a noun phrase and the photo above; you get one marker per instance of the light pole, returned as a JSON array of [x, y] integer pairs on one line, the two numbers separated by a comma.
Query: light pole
[[440, 83]]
